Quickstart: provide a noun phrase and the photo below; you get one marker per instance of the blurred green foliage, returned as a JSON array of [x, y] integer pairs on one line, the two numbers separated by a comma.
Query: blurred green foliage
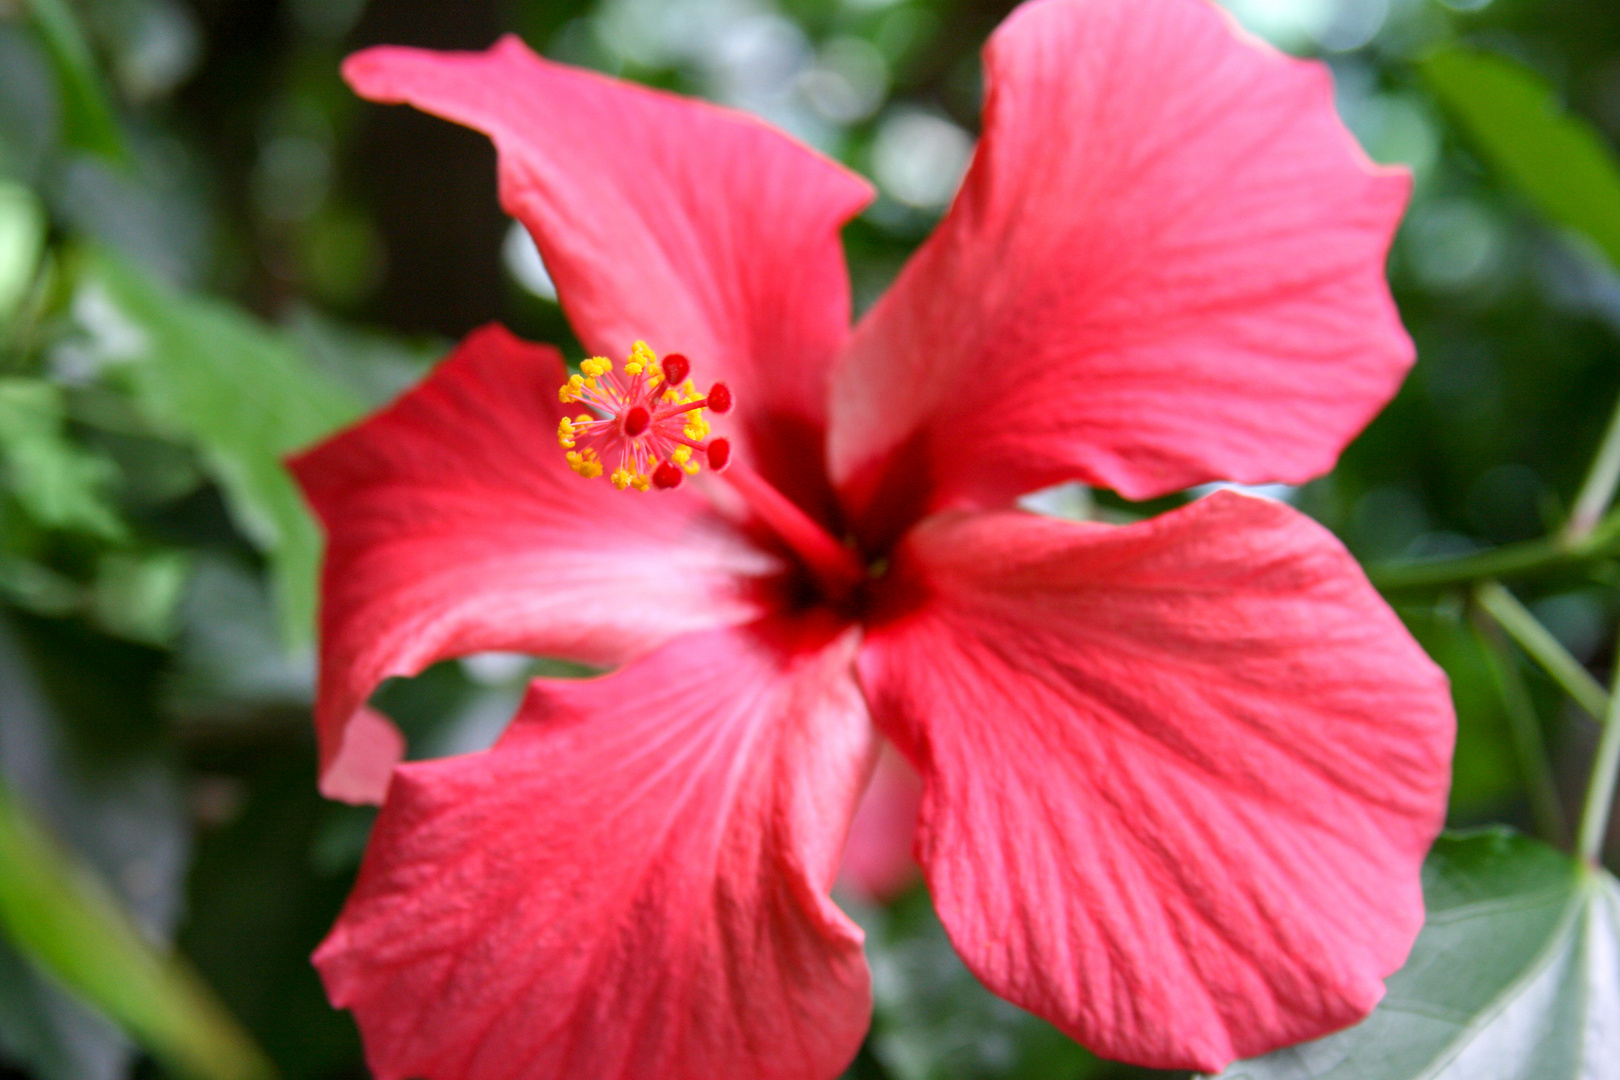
[[242, 397], [1562, 164], [60, 914], [211, 255], [87, 118]]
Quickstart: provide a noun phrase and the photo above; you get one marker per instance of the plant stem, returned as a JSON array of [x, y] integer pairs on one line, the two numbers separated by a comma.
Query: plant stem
[[1528, 739], [1600, 792], [1546, 650], [1597, 491], [1506, 561], [1509, 560], [62, 917]]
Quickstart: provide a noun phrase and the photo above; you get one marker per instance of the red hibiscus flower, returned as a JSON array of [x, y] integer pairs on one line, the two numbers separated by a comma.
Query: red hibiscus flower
[[1178, 776]]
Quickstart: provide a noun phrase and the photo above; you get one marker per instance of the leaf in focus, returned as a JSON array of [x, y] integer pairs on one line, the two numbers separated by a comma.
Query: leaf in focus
[[1516, 976], [203, 371], [57, 482], [87, 115], [22, 241], [1559, 161], [63, 919]]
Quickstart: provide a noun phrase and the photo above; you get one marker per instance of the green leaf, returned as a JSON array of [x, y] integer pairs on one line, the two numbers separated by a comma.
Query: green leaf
[[58, 483], [1559, 161], [66, 922], [203, 371], [87, 115], [22, 241], [1516, 976], [137, 594]]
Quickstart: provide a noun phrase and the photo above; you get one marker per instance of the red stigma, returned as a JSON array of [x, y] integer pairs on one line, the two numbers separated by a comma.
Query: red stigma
[[719, 453], [676, 368], [636, 421], [720, 397], [668, 475]]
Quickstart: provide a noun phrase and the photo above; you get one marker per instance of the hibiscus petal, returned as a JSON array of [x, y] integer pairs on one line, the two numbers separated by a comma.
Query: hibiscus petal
[[878, 864], [697, 229], [1165, 267], [454, 526], [633, 883], [358, 761], [1179, 777]]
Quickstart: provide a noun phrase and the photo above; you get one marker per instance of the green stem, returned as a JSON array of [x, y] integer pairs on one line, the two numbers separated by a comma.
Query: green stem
[[1598, 489], [1600, 792], [1508, 561], [1529, 742], [1545, 649], [62, 918]]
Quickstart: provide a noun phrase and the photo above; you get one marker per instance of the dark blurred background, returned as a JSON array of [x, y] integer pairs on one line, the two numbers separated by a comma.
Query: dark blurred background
[[243, 255]]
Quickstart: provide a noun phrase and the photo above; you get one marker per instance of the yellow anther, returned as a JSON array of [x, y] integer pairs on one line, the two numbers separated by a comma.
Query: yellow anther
[[632, 368], [596, 365], [621, 478], [682, 456], [697, 428], [641, 354], [565, 432], [570, 389], [584, 462]]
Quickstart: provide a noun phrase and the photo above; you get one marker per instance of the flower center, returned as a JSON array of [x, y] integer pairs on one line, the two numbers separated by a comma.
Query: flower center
[[646, 424], [646, 421]]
